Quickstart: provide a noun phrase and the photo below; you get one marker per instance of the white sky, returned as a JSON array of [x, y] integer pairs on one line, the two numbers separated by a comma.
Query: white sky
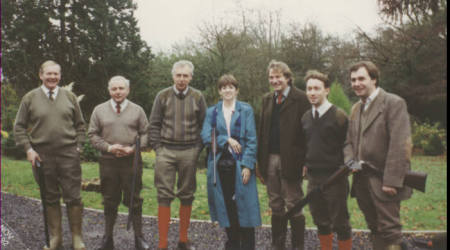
[[164, 22]]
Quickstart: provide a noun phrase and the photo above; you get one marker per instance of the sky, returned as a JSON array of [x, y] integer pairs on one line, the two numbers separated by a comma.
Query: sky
[[165, 22]]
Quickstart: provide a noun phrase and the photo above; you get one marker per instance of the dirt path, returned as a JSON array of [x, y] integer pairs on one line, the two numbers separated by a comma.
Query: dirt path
[[22, 228]]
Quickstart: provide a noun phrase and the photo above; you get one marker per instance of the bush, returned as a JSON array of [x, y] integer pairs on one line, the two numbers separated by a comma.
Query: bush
[[89, 153], [428, 138], [338, 97], [9, 147], [148, 159]]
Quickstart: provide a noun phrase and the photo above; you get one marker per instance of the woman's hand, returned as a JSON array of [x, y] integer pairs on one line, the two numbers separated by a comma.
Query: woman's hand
[[245, 175], [235, 146]]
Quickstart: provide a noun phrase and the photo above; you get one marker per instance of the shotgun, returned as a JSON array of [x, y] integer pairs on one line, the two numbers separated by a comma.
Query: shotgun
[[343, 171], [136, 160], [41, 178], [413, 179], [214, 151]]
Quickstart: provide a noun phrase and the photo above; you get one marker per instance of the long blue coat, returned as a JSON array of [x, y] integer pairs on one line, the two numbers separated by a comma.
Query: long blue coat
[[246, 195]]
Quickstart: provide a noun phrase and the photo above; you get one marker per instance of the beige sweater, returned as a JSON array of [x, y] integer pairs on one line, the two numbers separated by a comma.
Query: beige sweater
[[107, 127], [49, 124]]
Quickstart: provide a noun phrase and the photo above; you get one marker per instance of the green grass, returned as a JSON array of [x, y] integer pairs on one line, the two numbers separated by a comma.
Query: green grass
[[424, 211]]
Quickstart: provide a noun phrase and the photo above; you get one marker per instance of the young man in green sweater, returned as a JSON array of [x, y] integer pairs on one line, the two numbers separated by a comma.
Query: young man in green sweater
[[113, 128], [325, 128], [50, 127], [175, 124]]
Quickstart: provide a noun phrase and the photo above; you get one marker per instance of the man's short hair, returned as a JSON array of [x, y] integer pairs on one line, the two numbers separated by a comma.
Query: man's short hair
[[371, 68], [315, 74], [283, 68], [46, 64], [227, 79], [183, 63], [119, 79]]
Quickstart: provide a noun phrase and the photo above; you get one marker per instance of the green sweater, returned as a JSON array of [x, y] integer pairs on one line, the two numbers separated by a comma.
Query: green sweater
[[177, 122], [49, 124], [106, 127]]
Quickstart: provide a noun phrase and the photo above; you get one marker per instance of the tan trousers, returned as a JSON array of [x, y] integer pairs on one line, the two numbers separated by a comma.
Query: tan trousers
[[169, 162], [283, 194]]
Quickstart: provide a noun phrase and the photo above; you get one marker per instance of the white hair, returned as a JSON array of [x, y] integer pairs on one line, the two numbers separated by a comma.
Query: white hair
[[183, 63], [119, 79]]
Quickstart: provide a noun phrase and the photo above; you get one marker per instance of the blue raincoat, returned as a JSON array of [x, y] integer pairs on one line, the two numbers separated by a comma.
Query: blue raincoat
[[246, 196]]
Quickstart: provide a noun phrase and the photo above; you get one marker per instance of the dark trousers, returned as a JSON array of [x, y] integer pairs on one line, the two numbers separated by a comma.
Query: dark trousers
[[239, 238]]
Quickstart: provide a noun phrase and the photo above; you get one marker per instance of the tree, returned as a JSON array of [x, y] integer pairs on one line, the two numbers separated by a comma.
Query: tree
[[92, 40]]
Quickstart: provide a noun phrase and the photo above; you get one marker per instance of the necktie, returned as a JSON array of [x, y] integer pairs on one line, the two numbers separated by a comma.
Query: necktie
[[316, 115], [180, 95], [279, 98], [118, 108], [50, 95]]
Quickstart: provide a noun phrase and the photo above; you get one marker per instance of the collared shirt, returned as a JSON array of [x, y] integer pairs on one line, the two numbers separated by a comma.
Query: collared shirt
[[178, 92], [123, 105], [227, 113], [322, 109], [370, 98], [285, 93], [47, 90]]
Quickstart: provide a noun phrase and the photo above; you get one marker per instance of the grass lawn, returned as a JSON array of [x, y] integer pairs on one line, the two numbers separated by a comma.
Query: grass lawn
[[424, 211]]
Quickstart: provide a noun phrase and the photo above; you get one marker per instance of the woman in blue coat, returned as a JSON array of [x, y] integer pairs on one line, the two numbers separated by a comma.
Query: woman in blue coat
[[232, 194]]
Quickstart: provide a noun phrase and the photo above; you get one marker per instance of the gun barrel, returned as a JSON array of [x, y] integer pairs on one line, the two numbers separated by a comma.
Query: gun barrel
[[41, 178]]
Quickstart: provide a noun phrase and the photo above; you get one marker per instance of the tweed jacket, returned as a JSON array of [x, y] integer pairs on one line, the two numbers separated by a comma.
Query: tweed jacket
[[385, 142], [292, 138]]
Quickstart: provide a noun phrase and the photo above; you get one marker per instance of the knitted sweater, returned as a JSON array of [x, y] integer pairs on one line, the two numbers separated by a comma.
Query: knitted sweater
[[49, 124], [325, 140], [177, 122], [107, 127]]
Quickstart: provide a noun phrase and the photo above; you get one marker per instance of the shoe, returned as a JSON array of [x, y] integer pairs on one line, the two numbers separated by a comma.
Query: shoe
[[75, 215], [140, 243], [55, 226], [185, 246]]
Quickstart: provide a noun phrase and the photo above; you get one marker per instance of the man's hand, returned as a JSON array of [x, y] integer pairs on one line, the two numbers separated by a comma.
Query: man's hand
[[235, 146], [245, 175], [117, 150], [128, 150], [389, 190], [32, 156]]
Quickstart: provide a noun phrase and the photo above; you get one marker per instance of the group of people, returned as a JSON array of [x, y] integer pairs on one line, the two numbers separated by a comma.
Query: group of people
[[300, 135]]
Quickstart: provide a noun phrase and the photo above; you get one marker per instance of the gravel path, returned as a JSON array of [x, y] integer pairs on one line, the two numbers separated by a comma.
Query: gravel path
[[22, 228]]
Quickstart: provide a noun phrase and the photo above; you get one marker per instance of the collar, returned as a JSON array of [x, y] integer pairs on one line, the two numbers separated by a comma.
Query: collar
[[370, 98], [46, 90], [177, 91], [226, 109], [123, 105], [323, 108], [285, 92]]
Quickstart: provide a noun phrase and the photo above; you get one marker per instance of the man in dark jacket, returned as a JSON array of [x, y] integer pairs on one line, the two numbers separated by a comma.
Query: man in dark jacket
[[281, 152]]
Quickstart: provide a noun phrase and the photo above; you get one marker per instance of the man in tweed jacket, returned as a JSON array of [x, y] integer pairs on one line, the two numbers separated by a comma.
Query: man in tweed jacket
[[379, 133]]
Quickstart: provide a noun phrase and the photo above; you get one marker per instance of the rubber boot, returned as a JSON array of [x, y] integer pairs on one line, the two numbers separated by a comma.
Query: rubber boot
[[298, 232], [75, 214], [139, 241], [55, 226], [233, 242], [326, 241], [279, 228], [110, 220]]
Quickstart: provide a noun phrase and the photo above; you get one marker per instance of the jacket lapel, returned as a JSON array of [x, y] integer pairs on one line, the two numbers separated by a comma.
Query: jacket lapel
[[235, 115], [288, 101], [220, 118], [375, 109]]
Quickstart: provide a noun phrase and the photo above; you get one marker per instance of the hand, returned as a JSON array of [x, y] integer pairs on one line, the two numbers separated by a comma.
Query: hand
[[305, 170], [127, 150], [117, 150], [389, 190], [235, 146], [32, 156], [245, 175]]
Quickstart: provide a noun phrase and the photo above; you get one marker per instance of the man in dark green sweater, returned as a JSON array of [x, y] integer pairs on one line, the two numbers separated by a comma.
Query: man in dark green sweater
[[50, 127], [325, 128], [175, 124], [113, 128]]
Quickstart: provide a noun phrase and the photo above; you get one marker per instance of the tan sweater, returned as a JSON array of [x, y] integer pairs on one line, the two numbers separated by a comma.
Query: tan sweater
[[49, 124], [107, 127]]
